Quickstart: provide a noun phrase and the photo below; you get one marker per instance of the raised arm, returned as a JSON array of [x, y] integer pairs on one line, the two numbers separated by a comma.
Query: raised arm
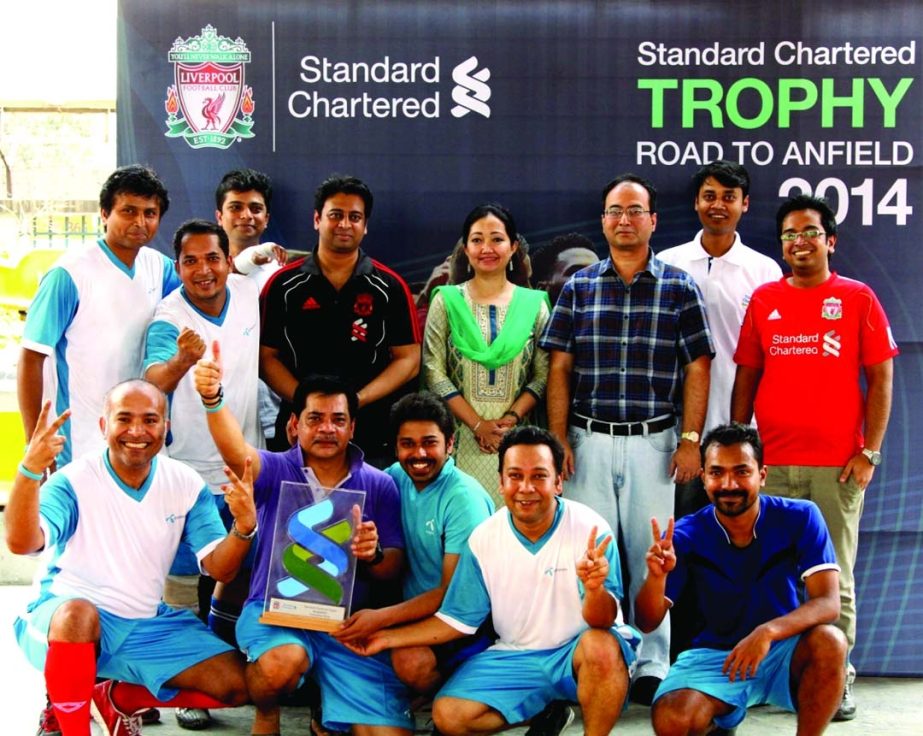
[[21, 519], [222, 424], [600, 607], [651, 603], [166, 375]]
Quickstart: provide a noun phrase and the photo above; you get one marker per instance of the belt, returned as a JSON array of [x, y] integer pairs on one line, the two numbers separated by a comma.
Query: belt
[[623, 429]]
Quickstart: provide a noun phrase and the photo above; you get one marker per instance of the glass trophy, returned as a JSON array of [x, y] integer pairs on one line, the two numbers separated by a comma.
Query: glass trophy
[[312, 569]]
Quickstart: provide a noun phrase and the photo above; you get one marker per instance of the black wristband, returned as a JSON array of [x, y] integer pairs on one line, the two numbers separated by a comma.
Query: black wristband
[[379, 556]]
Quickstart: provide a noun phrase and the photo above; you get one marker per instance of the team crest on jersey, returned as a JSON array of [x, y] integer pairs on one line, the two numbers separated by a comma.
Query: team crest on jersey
[[832, 309], [363, 305], [209, 106], [360, 331]]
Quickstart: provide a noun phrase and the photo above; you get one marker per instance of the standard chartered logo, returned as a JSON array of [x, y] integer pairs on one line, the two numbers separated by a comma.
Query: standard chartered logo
[[387, 88], [471, 91], [832, 344]]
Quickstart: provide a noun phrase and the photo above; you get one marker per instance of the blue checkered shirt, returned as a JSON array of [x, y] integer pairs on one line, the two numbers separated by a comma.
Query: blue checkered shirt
[[629, 342]]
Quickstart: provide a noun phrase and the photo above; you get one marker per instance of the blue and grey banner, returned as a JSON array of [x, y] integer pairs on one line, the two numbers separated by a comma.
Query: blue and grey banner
[[441, 106]]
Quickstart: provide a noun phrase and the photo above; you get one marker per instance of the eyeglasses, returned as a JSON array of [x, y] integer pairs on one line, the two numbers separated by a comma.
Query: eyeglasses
[[633, 212], [804, 235]]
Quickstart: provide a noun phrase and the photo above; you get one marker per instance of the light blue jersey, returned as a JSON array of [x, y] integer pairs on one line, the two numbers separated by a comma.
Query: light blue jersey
[[437, 521]]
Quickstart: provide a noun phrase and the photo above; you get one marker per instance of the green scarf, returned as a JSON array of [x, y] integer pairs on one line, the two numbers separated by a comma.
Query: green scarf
[[517, 327]]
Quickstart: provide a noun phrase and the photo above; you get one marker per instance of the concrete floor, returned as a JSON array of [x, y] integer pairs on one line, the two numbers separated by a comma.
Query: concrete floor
[[886, 705]]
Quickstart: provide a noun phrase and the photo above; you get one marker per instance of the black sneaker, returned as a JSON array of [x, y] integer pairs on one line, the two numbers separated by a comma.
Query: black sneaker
[[847, 709], [643, 689], [553, 720]]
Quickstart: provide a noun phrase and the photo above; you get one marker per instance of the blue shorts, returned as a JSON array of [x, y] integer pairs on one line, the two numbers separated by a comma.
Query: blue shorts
[[519, 684], [145, 651], [354, 689], [700, 669], [186, 563]]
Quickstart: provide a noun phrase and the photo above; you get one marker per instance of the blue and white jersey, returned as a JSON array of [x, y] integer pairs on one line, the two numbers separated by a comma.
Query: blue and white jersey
[[237, 329], [114, 545], [530, 588], [89, 316], [437, 521]]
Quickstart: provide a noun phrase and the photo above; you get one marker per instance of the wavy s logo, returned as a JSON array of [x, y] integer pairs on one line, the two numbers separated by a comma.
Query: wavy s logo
[[471, 91]]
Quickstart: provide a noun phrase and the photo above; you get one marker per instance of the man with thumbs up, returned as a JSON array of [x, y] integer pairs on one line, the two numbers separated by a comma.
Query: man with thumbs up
[[363, 694], [212, 304]]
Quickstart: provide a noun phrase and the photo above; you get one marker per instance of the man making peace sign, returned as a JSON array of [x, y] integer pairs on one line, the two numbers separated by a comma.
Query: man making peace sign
[[766, 587], [547, 573]]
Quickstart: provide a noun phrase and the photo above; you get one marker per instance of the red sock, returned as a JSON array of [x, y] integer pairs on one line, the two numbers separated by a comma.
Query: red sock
[[130, 698], [70, 672]]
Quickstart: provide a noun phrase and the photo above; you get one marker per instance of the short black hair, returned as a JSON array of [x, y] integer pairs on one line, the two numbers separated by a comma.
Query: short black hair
[[423, 406], [807, 202], [200, 227], [142, 181], [528, 434], [633, 179], [545, 258], [734, 433], [244, 180], [727, 173], [325, 386], [338, 184]]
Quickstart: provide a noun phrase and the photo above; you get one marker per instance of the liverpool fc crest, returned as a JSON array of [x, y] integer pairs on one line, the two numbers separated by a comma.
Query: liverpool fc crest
[[209, 106], [832, 308]]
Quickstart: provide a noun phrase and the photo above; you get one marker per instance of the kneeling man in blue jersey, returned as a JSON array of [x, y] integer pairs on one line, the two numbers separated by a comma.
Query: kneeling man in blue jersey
[[363, 695], [440, 506], [112, 522], [766, 585], [545, 570]]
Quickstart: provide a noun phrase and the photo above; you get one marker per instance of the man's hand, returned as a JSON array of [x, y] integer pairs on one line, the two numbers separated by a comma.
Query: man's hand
[[277, 253], [365, 537], [686, 462], [359, 626], [238, 494], [374, 644], [207, 374], [860, 468], [745, 658], [45, 443], [190, 345], [593, 567], [661, 557]]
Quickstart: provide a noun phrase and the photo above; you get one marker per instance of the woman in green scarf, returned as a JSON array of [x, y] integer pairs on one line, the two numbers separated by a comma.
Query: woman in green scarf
[[480, 348]]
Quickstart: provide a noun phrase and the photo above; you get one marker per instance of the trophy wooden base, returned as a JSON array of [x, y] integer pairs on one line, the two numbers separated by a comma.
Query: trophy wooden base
[[293, 621]]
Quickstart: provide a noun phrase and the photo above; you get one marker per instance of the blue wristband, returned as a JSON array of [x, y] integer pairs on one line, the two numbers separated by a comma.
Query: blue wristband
[[216, 407], [28, 473]]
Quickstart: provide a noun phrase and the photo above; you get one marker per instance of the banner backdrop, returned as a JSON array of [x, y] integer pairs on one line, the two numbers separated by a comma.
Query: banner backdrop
[[441, 106]]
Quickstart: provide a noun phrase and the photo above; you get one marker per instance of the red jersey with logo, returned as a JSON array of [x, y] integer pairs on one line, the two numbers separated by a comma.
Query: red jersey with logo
[[811, 345]]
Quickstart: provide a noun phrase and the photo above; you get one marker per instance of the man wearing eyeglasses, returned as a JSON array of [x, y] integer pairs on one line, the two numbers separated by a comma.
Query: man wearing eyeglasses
[[339, 312], [815, 330], [629, 342]]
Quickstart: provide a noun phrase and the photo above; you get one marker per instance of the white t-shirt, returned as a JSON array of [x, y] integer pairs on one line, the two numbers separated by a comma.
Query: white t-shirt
[[237, 329], [726, 283], [89, 316]]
